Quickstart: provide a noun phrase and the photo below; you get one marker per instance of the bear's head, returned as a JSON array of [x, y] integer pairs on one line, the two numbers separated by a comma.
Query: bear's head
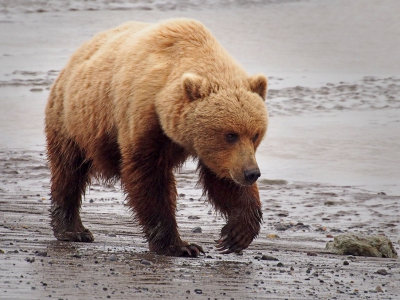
[[225, 125]]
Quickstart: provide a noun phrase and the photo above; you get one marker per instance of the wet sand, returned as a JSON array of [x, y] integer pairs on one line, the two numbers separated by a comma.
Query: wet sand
[[288, 260], [330, 162]]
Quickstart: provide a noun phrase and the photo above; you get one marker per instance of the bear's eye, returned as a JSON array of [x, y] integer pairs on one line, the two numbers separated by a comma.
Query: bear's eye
[[255, 138], [231, 137]]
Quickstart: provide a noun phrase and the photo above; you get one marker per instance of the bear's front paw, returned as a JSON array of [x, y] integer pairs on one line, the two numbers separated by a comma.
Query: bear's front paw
[[236, 236]]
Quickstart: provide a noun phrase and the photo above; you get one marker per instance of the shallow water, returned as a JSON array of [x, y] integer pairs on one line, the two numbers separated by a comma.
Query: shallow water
[[360, 148]]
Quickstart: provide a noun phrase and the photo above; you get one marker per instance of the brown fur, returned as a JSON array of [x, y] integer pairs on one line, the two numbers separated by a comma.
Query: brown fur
[[133, 103]]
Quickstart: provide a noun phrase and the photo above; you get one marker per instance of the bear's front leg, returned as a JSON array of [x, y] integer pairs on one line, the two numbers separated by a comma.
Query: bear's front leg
[[239, 204], [147, 177]]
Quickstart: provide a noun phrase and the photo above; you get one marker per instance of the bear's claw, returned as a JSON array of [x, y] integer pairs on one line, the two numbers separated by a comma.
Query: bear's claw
[[188, 250], [234, 239], [228, 245]]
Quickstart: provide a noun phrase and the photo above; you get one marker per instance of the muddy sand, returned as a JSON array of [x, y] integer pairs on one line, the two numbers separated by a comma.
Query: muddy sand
[[330, 162]]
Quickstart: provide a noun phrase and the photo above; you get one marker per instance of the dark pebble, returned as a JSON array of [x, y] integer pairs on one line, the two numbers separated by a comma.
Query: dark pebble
[[41, 253], [197, 230], [193, 217], [113, 257], [382, 272], [198, 291], [145, 262], [282, 227], [346, 263], [30, 259], [267, 257], [279, 264], [311, 254]]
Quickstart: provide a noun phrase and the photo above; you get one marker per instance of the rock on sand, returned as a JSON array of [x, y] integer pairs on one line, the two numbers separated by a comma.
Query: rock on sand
[[359, 245]]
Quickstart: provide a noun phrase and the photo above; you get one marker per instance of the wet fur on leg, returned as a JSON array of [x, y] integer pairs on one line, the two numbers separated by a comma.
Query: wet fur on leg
[[240, 205], [70, 175], [148, 180]]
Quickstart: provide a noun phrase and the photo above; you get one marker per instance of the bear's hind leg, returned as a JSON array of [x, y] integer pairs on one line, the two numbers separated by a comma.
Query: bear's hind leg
[[69, 177]]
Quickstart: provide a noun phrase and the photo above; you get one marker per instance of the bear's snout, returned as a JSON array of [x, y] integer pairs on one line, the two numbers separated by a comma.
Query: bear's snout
[[251, 175]]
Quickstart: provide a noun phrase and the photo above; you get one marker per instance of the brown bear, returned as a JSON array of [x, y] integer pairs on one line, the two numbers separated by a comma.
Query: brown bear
[[132, 104]]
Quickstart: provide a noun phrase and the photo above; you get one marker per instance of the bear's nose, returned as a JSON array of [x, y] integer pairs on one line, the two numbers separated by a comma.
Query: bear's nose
[[251, 175]]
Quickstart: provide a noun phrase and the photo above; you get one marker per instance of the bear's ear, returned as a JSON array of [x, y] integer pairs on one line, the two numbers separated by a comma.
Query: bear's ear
[[194, 86], [258, 84]]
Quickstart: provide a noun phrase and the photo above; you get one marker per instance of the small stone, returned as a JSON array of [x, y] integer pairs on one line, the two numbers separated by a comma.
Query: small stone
[[30, 259], [267, 257], [272, 236], [279, 264], [382, 272], [193, 217], [283, 214], [113, 257], [145, 262], [379, 289], [197, 230], [41, 253], [282, 227], [312, 254], [198, 291], [346, 263]]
